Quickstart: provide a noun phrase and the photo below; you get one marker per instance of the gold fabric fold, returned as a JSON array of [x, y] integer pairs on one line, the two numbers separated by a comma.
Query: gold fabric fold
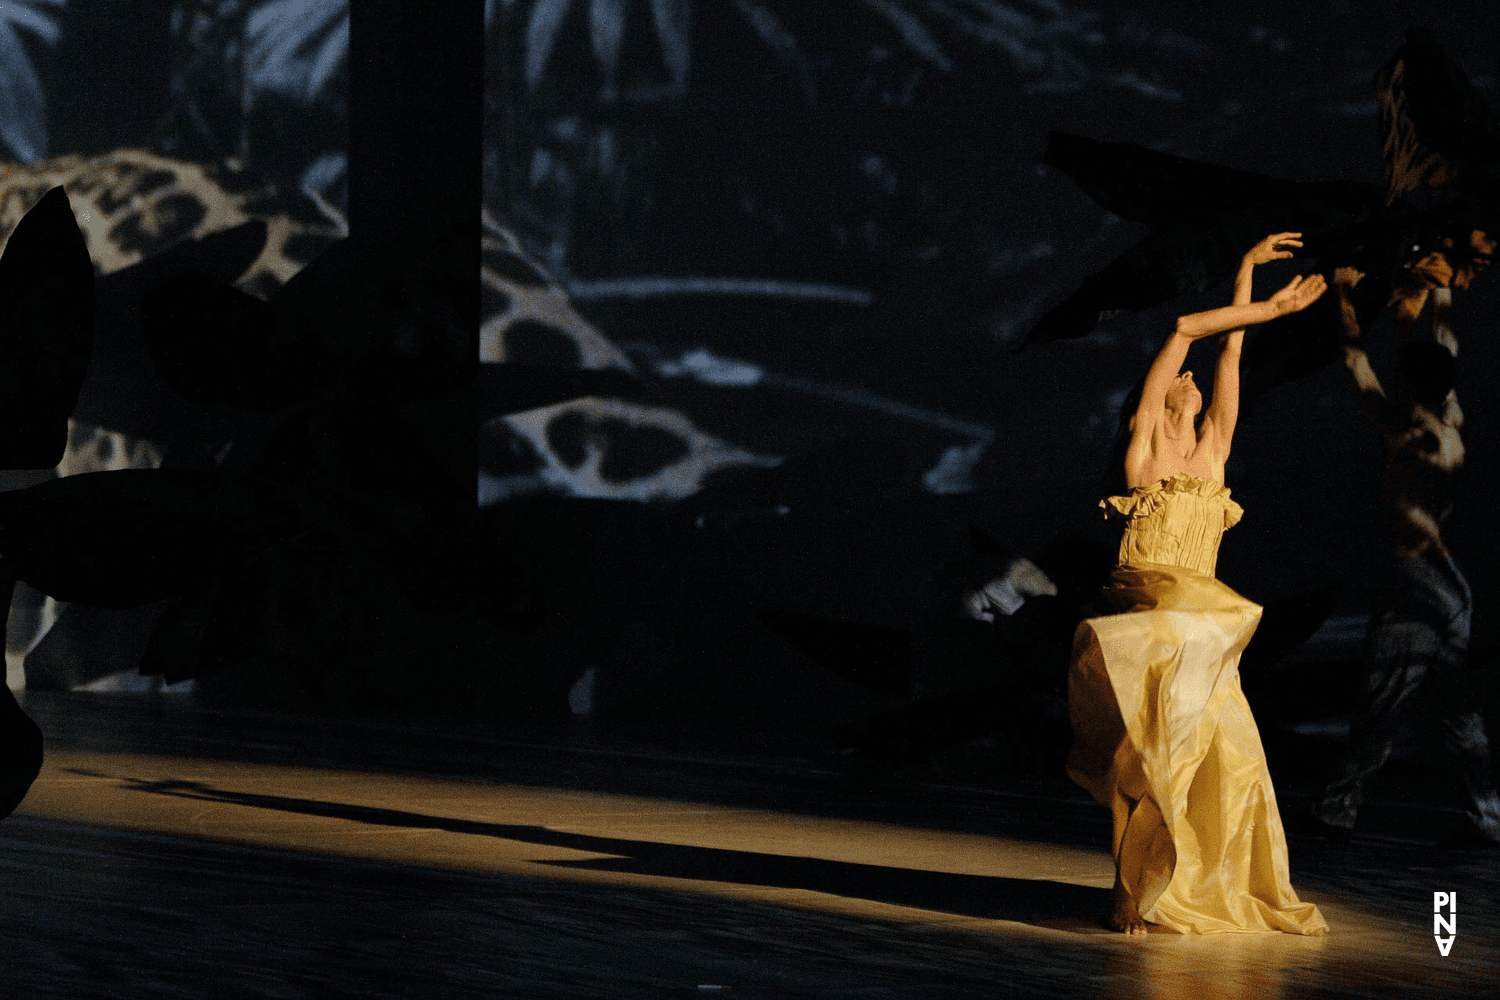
[[1165, 739]]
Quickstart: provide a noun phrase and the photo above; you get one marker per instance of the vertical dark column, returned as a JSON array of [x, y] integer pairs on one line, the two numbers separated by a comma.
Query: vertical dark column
[[415, 118], [415, 103]]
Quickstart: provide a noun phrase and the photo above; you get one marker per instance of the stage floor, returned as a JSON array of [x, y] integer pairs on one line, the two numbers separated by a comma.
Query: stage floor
[[174, 851]]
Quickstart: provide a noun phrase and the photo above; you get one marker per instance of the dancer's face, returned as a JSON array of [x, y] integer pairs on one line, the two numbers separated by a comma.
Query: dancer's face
[[1183, 395]]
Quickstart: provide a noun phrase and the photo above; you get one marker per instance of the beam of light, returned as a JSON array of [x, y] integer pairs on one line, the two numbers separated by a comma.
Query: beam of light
[[1037, 902], [874, 870]]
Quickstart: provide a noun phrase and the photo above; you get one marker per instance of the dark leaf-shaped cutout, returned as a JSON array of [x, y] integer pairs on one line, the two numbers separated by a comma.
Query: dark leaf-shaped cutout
[[124, 389], [1287, 624], [1203, 217], [1156, 188], [20, 752], [212, 627], [1164, 265], [121, 360], [128, 393], [173, 652], [307, 605], [46, 331], [1160, 189], [212, 343], [343, 458], [224, 256], [380, 323], [871, 656], [118, 539], [1301, 343]]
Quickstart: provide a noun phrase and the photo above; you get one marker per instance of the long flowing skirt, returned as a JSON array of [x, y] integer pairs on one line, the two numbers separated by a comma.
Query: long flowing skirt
[[1165, 739]]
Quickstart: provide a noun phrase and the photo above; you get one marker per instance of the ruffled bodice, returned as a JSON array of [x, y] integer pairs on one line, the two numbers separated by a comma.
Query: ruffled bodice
[[1177, 521]]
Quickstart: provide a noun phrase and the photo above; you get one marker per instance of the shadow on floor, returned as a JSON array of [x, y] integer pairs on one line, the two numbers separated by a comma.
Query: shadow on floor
[[1041, 902]]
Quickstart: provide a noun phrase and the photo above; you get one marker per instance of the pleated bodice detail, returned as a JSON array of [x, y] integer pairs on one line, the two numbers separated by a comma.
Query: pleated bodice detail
[[1177, 521]]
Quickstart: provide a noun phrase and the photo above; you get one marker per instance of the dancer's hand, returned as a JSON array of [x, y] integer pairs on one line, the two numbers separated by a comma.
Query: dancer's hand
[[1272, 248], [1298, 294]]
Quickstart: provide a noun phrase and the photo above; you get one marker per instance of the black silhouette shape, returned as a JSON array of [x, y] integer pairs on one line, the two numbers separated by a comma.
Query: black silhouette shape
[[317, 339], [871, 656], [20, 739], [46, 329], [366, 354], [1286, 624], [125, 390], [1203, 218], [1024, 701], [118, 539]]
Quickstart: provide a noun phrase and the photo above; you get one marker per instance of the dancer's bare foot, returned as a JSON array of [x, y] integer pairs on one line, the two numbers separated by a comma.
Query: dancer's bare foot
[[1123, 915]]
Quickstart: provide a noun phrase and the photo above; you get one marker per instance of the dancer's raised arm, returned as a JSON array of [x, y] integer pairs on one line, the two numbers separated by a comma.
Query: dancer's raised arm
[[1163, 439], [1223, 412], [1298, 294]]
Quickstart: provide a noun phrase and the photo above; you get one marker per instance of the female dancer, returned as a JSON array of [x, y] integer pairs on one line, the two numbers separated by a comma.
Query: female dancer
[[1163, 734]]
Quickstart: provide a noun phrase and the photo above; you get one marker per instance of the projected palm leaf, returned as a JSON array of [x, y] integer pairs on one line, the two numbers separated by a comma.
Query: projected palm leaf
[[295, 47], [23, 105], [921, 26]]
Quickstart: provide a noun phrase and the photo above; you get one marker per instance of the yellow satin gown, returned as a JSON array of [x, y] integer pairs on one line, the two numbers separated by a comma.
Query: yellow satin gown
[[1163, 735]]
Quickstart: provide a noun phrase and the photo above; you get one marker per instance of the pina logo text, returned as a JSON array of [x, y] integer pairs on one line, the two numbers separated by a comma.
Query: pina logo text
[[1444, 919]]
